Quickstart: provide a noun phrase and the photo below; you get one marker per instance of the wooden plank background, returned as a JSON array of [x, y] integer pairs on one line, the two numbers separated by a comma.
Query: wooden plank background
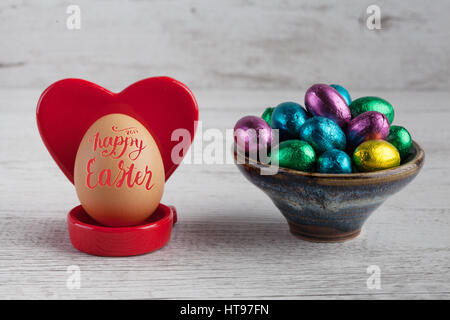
[[230, 241], [228, 44], [238, 56]]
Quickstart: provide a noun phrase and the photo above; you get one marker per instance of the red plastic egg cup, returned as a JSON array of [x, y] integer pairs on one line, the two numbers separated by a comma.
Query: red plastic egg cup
[[88, 236], [69, 107]]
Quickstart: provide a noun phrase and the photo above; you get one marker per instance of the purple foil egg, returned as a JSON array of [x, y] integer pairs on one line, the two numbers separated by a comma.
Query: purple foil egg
[[251, 132], [323, 100], [369, 125]]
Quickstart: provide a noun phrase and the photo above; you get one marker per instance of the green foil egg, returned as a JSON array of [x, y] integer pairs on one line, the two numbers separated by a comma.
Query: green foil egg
[[400, 138], [267, 114], [374, 155], [365, 104], [294, 154]]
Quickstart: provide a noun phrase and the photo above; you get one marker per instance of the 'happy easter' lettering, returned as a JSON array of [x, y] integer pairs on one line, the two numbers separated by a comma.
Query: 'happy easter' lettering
[[128, 175], [116, 143], [115, 147]]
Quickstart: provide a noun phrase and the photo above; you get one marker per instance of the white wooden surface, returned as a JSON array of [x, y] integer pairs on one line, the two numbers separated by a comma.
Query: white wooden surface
[[230, 242], [227, 44]]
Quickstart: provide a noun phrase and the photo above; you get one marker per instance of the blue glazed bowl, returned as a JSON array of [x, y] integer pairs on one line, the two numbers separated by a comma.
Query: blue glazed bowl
[[330, 207]]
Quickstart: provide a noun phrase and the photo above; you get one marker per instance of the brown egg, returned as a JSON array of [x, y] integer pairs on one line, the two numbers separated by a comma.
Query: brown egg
[[119, 172]]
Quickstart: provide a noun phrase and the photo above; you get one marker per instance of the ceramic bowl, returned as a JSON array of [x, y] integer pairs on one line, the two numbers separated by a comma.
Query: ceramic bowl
[[330, 207]]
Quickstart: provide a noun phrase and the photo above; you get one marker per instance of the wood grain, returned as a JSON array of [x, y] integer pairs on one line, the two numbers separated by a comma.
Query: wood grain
[[228, 44], [230, 241]]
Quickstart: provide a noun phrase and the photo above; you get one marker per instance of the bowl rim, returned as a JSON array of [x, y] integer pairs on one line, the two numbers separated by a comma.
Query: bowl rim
[[405, 169]]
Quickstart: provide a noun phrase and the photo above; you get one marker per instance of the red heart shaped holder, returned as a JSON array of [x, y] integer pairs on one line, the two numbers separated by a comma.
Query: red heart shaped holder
[[65, 112]]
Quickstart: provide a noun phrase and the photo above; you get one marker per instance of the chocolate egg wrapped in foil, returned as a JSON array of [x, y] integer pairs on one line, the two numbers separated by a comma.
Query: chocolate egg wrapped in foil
[[267, 114], [367, 126], [323, 100], [251, 133], [400, 138], [288, 117], [323, 134], [294, 154], [365, 104], [343, 92], [334, 161], [374, 155]]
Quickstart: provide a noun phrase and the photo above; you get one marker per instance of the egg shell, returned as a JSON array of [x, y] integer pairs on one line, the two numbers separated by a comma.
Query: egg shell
[[288, 117], [343, 92], [334, 161], [294, 154], [367, 126], [119, 173], [365, 104], [323, 100], [374, 155], [251, 133], [323, 134], [400, 138]]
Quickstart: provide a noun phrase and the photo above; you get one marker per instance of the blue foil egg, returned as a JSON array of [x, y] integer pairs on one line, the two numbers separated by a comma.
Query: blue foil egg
[[288, 117], [334, 161], [343, 92], [323, 134]]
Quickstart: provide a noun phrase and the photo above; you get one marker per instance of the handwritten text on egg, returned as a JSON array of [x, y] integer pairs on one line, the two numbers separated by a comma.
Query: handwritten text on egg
[[116, 147]]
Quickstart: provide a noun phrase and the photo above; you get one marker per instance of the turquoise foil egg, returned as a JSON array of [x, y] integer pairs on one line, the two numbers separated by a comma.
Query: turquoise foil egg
[[334, 161], [288, 117], [323, 134], [343, 92]]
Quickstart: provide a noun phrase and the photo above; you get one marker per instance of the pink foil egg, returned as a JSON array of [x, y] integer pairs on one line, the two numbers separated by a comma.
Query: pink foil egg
[[323, 100], [370, 125], [251, 133]]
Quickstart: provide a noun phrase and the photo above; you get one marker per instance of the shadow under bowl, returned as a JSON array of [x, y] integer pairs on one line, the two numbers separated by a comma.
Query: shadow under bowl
[[329, 207]]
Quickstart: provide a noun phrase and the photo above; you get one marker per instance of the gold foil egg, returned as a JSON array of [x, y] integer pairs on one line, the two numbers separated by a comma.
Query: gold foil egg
[[374, 155], [119, 173]]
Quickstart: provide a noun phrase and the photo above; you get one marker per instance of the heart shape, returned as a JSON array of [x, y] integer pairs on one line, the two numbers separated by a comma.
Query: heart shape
[[69, 107]]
